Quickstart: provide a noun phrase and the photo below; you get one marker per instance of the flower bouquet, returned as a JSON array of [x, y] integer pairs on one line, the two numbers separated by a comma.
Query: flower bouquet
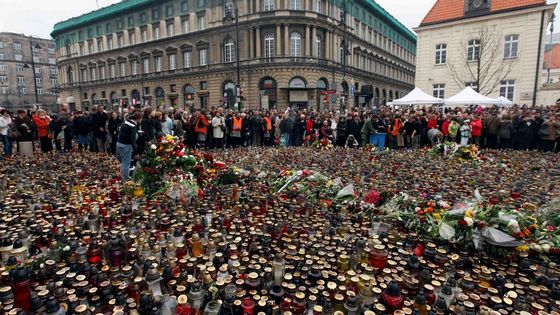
[[454, 151], [322, 144]]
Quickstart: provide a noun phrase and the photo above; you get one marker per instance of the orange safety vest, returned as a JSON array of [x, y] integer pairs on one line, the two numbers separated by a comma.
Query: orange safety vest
[[396, 127], [268, 124], [237, 122]]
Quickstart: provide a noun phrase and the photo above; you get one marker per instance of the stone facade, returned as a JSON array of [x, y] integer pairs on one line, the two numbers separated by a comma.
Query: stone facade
[[290, 55], [16, 77]]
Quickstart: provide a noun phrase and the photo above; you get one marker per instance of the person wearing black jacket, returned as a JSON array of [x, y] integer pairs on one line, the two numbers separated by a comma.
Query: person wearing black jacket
[[342, 132], [98, 122], [81, 130], [354, 127], [126, 144], [299, 129], [113, 128], [256, 129]]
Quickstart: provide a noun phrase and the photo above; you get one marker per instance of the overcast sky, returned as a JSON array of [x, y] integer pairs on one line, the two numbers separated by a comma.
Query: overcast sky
[[37, 17]]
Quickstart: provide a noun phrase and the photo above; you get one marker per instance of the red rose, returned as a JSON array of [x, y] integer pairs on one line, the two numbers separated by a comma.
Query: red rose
[[481, 225], [462, 222]]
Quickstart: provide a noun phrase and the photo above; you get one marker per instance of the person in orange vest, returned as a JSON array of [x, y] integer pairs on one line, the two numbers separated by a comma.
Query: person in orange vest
[[236, 128], [201, 128], [267, 129], [394, 132]]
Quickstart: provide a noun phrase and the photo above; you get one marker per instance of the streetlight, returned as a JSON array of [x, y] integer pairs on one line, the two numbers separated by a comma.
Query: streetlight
[[141, 80], [550, 48], [231, 11], [32, 49]]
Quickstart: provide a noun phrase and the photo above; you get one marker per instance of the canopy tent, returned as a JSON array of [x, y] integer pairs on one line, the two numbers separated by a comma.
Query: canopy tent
[[417, 97], [468, 96], [504, 102]]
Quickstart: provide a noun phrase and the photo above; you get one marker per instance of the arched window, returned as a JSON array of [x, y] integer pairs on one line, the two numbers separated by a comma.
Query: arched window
[[268, 5], [295, 41], [295, 5], [318, 6], [318, 46], [269, 45], [229, 50]]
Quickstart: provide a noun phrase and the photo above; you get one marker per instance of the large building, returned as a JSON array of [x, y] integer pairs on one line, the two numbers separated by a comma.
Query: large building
[[184, 53], [495, 46], [18, 55]]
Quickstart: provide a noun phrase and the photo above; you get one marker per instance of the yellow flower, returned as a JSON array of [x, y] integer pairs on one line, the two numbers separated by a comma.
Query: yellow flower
[[468, 214], [169, 138], [436, 215], [522, 248], [329, 183]]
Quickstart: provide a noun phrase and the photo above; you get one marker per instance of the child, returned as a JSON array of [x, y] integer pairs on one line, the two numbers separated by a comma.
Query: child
[[351, 142], [465, 132]]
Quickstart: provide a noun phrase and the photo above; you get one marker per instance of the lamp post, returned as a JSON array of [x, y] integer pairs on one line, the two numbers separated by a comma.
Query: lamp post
[[550, 48], [31, 51], [231, 11], [141, 80], [344, 49]]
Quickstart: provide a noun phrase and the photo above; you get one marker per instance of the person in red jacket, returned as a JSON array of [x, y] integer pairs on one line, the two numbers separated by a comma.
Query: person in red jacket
[[201, 128], [42, 120], [476, 132], [432, 123], [445, 128]]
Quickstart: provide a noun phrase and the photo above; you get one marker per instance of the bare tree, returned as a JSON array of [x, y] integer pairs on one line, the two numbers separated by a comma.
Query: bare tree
[[481, 62]]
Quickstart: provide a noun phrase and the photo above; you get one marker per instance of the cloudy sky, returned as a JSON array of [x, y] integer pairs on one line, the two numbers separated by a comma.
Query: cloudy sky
[[37, 17]]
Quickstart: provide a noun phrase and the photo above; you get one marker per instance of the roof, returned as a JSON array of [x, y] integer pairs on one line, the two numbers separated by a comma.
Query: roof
[[555, 54], [392, 20], [447, 10]]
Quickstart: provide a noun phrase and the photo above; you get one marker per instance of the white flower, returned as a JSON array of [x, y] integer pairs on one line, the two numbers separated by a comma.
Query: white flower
[[66, 248], [469, 221], [153, 147], [513, 225]]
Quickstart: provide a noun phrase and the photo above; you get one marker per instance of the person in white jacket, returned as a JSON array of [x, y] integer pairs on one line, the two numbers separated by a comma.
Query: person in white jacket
[[218, 128], [5, 122]]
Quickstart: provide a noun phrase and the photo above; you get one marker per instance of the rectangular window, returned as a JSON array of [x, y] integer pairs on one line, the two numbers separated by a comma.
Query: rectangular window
[[146, 65], [102, 72], [187, 59], [507, 89], [201, 23], [511, 46], [99, 45], [120, 25], [38, 70], [3, 78], [93, 74], [185, 24], [112, 71], [17, 46], [143, 18], [131, 37], [200, 3], [169, 10], [18, 57], [54, 81], [23, 90], [1, 44], [155, 14], [36, 59], [268, 5], [295, 5], [90, 48], [318, 6], [39, 80], [98, 30], [155, 32], [21, 79], [52, 61], [2, 67], [184, 6], [19, 68], [203, 57], [51, 51], [84, 74], [53, 71], [1, 56], [158, 63], [120, 40], [40, 91], [108, 28], [144, 35], [439, 90], [172, 62], [134, 67], [122, 69], [473, 50], [473, 85], [170, 29], [130, 21], [441, 54], [110, 42]]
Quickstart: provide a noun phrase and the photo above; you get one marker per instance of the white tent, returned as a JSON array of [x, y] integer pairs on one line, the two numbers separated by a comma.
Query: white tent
[[417, 97], [504, 102], [468, 96]]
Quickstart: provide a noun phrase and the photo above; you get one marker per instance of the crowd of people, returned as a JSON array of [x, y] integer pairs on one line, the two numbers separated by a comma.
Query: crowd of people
[[518, 127]]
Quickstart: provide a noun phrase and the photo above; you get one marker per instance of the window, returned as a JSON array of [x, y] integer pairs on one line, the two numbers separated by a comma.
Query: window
[[23, 90], [511, 45], [318, 46], [90, 48], [53, 71], [169, 10], [130, 21], [18, 57], [155, 14], [17, 46], [52, 61], [155, 31], [146, 65], [108, 28], [441, 54], [21, 79], [134, 67], [473, 85], [144, 35], [110, 42], [229, 51], [99, 45], [122, 71], [38, 70], [172, 62], [507, 88], [2, 67], [295, 41], [120, 40], [200, 3], [295, 5], [184, 6], [112, 71], [269, 45], [36, 59], [186, 28], [201, 23], [203, 57], [268, 5], [1, 44], [55, 81], [1, 56], [170, 29], [102, 72], [40, 91], [143, 17], [158, 63], [473, 50], [439, 90], [318, 5], [39, 80], [3, 78], [19, 68], [131, 38], [187, 59], [50, 51]]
